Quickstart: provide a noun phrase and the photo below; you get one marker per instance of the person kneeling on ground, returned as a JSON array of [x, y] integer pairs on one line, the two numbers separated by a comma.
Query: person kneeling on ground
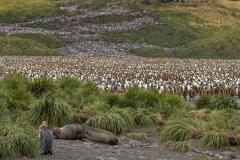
[[46, 139]]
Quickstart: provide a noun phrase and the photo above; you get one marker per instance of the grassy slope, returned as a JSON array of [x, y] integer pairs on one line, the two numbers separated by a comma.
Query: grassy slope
[[206, 31], [19, 46], [12, 11], [47, 40], [22, 10]]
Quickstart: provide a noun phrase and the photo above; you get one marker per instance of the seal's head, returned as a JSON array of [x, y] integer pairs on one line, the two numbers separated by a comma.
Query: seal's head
[[56, 132]]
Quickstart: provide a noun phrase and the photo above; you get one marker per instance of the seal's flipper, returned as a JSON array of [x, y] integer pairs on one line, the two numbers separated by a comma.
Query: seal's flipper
[[82, 136]]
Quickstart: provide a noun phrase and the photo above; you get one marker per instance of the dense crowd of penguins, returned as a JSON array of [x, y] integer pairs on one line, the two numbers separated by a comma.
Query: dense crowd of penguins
[[112, 68], [186, 77]]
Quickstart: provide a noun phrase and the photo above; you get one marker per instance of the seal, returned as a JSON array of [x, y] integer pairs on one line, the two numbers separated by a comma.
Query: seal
[[82, 132]]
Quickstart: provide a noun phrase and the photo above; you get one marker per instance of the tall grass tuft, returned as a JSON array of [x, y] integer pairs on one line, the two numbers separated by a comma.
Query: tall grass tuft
[[14, 93], [98, 106], [175, 100], [18, 138], [221, 122], [13, 81], [141, 98], [41, 86], [214, 139], [67, 82], [184, 146], [217, 101], [165, 109], [117, 121], [68, 90], [87, 94], [113, 123], [145, 118], [178, 130], [138, 136], [17, 100], [52, 110], [125, 114], [221, 101], [111, 99], [203, 101]]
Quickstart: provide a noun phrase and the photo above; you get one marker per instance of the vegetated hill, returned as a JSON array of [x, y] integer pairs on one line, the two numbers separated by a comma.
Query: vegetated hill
[[19, 46], [198, 28], [47, 40]]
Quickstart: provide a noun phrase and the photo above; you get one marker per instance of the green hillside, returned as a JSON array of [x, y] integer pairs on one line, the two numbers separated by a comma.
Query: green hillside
[[18, 46], [199, 28], [23, 10], [45, 39]]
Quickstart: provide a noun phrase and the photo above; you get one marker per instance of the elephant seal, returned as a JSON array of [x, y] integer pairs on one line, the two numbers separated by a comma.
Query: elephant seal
[[79, 131]]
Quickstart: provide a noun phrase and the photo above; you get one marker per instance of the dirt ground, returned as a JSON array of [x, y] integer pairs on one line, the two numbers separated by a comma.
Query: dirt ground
[[127, 149]]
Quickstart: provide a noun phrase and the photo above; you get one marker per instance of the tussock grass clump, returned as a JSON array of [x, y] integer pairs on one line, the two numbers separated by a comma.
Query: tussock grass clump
[[176, 100], [215, 139], [221, 101], [117, 121], [221, 119], [141, 98], [87, 94], [126, 114], [65, 82], [98, 106], [203, 101], [14, 93], [201, 113], [171, 105], [114, 123], [52, 110], [111, 99], [184, 146], [16, 100], [12, 81], [176, 132], [179, 129], [138, 136], [165, 109], [145, 118], [216, 101], [18, 138], [41, 86]]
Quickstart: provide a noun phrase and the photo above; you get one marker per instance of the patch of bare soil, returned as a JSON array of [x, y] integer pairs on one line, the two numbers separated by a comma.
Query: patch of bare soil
[[129, 149]]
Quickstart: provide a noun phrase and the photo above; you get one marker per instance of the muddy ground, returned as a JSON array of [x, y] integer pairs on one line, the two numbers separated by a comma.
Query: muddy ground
[[128, 149]]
